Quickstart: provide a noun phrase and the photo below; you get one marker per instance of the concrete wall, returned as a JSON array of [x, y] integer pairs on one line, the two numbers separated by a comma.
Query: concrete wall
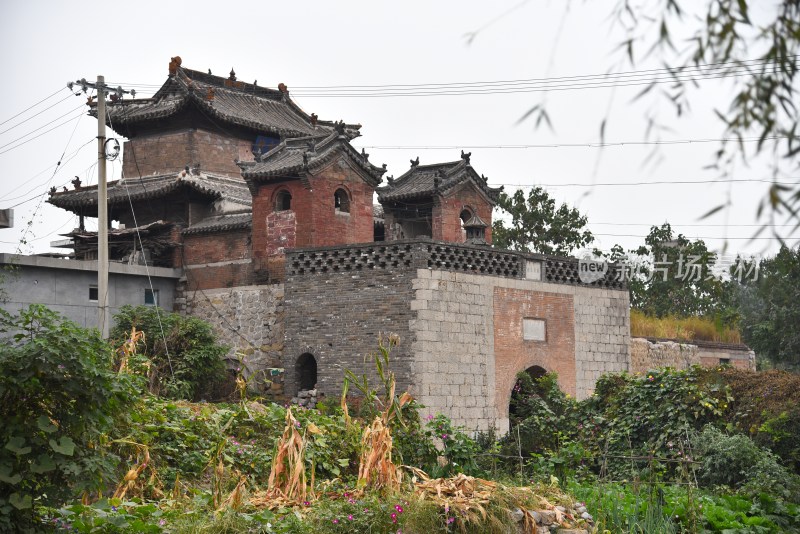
[[63, 286]]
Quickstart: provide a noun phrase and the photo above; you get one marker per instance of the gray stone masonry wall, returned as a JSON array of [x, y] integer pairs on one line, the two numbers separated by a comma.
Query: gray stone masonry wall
[[453, 365], [453, 353], [338, 317], [602, 334], [250, 320]]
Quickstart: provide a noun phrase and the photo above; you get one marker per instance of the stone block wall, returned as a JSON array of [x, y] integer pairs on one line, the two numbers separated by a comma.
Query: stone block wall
[[649, 354], [467, 324], [249, 319]]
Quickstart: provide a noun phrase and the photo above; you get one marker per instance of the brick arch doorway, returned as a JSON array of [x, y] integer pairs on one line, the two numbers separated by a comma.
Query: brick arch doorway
[[535, 372], [305, 371]]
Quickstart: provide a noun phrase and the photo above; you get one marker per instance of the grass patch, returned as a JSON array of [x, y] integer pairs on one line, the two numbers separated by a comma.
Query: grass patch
[[682, 328]]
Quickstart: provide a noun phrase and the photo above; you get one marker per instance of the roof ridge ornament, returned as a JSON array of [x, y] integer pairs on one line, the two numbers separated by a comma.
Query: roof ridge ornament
[[232, 76], [339, 125], [314, 119], [465, 156], [415, 162], [364, 154], [174, 64]]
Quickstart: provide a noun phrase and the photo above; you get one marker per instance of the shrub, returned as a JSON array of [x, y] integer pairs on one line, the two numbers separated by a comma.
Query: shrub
[[736, 461], [58, 398], [183, 358]]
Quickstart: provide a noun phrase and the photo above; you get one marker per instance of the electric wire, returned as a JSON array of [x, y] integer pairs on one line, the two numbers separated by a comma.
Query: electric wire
[[39, 113], [78, 116], [34, 105]]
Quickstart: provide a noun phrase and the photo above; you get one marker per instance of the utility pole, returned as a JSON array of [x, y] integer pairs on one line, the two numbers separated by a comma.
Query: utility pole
[[103, 315], [103, 310]]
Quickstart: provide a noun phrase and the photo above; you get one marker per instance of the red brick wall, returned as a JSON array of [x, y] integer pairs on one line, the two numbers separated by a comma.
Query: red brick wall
[[316, 222], [170, 152], [217, 249], [513, 354], [447, 224]]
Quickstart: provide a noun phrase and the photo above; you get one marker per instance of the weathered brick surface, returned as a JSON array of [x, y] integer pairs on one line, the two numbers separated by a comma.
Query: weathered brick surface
[[513, 353], [313, 219], [163, 153], [217, 260], [447, 224], [338, 316]]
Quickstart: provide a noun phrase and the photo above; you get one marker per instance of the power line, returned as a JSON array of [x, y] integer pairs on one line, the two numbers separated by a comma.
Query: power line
[[37, 114], [695, 237], [656, 182], [577, 145], [33, 106], [72, 156], [78, 116]]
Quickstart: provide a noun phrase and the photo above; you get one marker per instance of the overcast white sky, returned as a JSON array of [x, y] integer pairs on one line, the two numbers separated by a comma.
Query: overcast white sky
[[316, 43]]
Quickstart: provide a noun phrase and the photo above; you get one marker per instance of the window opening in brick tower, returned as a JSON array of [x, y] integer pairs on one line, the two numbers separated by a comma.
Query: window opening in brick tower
[[306, 371], [465, 215], [341, 201], [283, 202]]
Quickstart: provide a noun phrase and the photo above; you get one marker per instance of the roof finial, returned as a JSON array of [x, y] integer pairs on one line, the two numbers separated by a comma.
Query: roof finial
[[174, 63], [314, 119], [282, 88], [76, 183], [209, 71], [415, 162], [232, 77], [339, 127], [465, 156], [390, 179], [364, 154]]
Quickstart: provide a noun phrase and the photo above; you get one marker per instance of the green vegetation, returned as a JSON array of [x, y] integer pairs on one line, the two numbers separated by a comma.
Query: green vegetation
[[701, 450], [179, 356]]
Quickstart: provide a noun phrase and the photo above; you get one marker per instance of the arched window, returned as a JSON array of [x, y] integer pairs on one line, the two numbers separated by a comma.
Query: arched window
[[283, 201], [341, 201], [306, 371], [465, 215]]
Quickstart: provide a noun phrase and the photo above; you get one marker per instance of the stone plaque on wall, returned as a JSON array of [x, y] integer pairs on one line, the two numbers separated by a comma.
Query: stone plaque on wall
[[533, 270], [533, 330]]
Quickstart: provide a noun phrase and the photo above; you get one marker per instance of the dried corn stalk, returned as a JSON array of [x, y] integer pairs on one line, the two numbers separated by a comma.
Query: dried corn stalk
[[128, 348], [376, 469], [236, 497], [128, 482], [287, 478]]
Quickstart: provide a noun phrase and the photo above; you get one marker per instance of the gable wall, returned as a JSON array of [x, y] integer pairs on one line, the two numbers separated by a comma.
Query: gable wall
[[447, 224]]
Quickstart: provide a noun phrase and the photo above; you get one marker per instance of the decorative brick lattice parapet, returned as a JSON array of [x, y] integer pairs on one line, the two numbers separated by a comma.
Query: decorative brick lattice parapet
[[424, 253]]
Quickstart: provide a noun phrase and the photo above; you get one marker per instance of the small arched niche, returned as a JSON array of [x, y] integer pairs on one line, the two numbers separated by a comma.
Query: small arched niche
[[306, 371]]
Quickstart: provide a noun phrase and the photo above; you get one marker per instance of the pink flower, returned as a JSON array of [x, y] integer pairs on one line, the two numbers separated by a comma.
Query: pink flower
[[306, 503], [450, 520], [335, 521], [398, 508], [350, 517]]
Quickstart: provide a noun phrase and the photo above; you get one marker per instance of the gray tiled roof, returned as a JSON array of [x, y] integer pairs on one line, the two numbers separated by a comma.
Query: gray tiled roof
[[219, 223], [150, 187], [261, 109], [421, 181], [293, 156]]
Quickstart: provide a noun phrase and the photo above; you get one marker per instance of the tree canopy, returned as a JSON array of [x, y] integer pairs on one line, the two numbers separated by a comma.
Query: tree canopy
[[537, 225]]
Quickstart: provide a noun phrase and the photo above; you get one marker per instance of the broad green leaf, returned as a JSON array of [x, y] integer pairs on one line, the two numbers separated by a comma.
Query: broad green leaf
[[19, 501], [45, 424], [44, 464], [16, 445], [64, 446], [7, 477]]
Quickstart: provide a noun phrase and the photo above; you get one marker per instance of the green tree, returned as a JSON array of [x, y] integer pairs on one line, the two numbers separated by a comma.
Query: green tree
[[183, 358], [770, 309], [58, 397], [672, 275], [538, 226]]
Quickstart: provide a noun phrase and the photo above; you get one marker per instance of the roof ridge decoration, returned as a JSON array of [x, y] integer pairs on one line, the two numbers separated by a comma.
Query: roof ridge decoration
[[228, 100], [294, 158], [422, 181]]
